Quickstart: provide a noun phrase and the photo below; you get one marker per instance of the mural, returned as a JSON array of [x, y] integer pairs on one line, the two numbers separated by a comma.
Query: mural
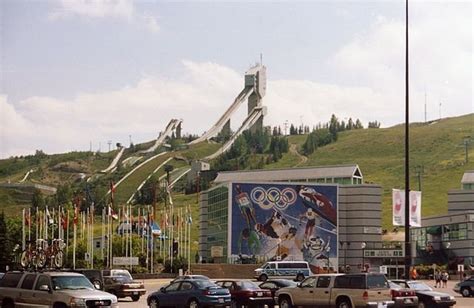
[[285, 222]]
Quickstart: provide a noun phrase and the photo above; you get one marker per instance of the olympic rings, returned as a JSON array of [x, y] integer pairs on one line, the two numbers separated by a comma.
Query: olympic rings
[[273, 197]]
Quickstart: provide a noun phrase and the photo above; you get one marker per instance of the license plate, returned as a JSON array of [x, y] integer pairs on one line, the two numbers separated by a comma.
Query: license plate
[[408, 301], [135, 293], [221, 300], [259, 294]]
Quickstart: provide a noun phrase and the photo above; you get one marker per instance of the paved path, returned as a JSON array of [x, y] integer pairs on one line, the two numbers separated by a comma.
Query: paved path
[[152, 285]]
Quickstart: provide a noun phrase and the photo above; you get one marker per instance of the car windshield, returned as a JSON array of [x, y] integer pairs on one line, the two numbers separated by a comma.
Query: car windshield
[[246, 285], [203, 284], [394, 286], [121, 274], [420, 286], [288, 283], [71, 283]]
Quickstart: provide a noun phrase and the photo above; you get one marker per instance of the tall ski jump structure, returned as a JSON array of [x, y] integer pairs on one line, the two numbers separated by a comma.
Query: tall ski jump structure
[[255, 86]]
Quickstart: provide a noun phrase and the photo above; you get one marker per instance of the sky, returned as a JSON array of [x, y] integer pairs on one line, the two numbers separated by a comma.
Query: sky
[[76, 73]]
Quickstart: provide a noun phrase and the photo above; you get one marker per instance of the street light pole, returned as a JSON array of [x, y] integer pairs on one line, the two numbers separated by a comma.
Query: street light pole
[[407, 153]]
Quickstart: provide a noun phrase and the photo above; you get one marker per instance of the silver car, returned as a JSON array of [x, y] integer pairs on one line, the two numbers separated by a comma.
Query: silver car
[[51, 289]]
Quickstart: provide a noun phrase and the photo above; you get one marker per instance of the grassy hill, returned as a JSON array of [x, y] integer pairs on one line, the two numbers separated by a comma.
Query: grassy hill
[[379, 152]]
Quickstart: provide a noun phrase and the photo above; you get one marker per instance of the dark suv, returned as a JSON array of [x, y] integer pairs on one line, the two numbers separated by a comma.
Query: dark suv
[[466, 287], [94, 276]]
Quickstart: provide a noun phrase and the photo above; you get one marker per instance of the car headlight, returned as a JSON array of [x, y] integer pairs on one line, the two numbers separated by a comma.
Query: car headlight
[[437, 298], [77, 302], [114, 299], [451, 298]]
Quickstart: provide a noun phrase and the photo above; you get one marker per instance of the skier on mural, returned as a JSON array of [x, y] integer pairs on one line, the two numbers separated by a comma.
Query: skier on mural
[[274, 227], [288, 242], [252, 240], [318, 202], [310, 217], [316, 248], [245, 205]]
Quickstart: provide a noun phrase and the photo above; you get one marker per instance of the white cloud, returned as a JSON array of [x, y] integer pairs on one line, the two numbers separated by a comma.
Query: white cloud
[[440, 45], [121, 9]]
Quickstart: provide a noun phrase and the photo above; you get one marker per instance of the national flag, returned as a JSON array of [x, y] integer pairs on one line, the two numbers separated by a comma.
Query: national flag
[[76, 215], [49, 217], [65, 221], [112, 213], [168, 191], [112, 192], [27, 218]]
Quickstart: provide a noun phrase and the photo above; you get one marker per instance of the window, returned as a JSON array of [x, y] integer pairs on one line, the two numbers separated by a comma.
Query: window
[[323, 282], [268, 285], [10, 280], [186, 286], [455, 232], [376, 281], [342, 282], [28, 281], [172, 287], [357, 282], [42, 280], [309, 282]]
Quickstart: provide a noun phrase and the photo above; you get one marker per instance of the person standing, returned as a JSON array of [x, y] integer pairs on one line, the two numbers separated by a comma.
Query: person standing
[[444, 278], [437, 277]]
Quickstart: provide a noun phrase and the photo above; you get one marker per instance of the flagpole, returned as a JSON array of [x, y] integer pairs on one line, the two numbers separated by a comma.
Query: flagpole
[[102, 239], [67, 235], [29, 224], [74, 247], [23, 236]]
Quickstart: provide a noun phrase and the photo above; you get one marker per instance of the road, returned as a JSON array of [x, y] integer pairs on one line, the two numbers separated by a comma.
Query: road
[[152, 285]]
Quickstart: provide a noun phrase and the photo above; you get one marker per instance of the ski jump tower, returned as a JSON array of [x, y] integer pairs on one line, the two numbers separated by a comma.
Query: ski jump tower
[[254, 90]]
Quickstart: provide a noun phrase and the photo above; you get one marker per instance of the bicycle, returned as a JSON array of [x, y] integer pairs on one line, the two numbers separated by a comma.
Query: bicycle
[[52, 253], [29, 256]]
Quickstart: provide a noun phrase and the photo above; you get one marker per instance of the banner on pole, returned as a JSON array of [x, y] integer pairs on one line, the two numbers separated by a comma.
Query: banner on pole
[[398, 207]]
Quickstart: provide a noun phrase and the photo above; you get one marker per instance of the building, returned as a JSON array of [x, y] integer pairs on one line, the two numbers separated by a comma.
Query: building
[[449, 238], [348, 241]]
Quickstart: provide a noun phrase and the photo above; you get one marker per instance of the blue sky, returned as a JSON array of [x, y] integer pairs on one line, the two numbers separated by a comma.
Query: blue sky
[[81, 71]]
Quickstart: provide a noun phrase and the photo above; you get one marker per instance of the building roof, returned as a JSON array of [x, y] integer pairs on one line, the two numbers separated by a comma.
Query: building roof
[[341, 171], [468, 177]]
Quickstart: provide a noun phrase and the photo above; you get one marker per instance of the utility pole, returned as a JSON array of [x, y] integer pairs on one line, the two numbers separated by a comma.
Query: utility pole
[[467, 143], [407, 153], [109, 143]]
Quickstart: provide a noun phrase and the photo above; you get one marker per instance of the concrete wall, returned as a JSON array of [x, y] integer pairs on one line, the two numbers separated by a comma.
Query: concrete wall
[[460, 201], [360, 220]]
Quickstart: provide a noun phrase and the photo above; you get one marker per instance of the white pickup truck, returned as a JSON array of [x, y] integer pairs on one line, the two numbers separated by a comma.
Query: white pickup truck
[[338, 291], [51, 289]]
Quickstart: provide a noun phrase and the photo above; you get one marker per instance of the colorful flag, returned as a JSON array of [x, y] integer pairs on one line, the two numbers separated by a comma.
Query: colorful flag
[[112, 213], [27, 218], [76, 215], [49, 217]]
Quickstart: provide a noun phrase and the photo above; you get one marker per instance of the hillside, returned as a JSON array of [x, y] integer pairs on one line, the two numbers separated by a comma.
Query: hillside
[[379, 152]]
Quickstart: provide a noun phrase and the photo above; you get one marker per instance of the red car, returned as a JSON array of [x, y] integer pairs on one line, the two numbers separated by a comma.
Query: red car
[[247, 293]]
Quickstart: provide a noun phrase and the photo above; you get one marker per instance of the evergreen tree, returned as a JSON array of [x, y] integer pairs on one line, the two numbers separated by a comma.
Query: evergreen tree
[[333, 127], [358, 124], [38, 199], [350, 124], [4, 241]]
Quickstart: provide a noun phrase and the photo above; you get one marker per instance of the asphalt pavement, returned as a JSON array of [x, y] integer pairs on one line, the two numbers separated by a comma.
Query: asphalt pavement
[[152, 285]]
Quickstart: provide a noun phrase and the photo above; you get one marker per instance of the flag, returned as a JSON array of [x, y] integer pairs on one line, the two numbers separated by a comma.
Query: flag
[[398, 207], [49, 217], [76, 215], [27, 218], [112, 213], [64, 221], [189, 218], [168, 190]]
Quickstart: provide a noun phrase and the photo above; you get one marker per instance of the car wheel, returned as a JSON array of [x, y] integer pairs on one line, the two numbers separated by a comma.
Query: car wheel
[[263, 277], [344, 303], [193, 304], [465, 292], [234, 304], [421, 305], [299, 277], [153, 303], [8, 303], [135, 298], [285, 302]]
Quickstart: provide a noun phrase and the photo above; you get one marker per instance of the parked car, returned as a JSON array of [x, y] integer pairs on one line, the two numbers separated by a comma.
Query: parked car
[[191, 277], [51, 289], [466, 287], [247, 293], [403, 297], [338, 290], [94, 276], [427, 297], [276, 284], [124, 286], [297, 270], [190, 293]]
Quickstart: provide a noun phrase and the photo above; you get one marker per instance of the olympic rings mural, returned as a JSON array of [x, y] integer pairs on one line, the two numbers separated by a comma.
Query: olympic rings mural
[[273, 197]]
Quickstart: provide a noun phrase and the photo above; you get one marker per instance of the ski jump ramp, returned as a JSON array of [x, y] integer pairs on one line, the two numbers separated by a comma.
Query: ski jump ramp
[[253, 91], [173, 125], [114, 162]]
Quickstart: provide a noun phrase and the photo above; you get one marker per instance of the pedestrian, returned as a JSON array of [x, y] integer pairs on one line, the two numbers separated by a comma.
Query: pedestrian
[[444, 278], [437, 278]]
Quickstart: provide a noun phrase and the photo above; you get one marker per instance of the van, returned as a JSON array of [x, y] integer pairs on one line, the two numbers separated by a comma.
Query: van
[[297, 270]]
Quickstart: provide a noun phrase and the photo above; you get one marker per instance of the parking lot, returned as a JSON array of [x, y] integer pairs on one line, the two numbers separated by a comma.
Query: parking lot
[[152, 285]]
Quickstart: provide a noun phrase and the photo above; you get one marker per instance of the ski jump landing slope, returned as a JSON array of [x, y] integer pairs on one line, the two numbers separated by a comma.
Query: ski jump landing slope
[[172, 125], [114, 162], [216, 128]]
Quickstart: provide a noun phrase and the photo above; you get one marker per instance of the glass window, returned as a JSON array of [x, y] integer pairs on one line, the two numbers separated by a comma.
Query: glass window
[[186, 286], [173, 287], [342, 282], [323, 282], [28, 281], [42, 280], [376, 281], [268, 285], [10, 280], [357, 282], [309, 282]]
